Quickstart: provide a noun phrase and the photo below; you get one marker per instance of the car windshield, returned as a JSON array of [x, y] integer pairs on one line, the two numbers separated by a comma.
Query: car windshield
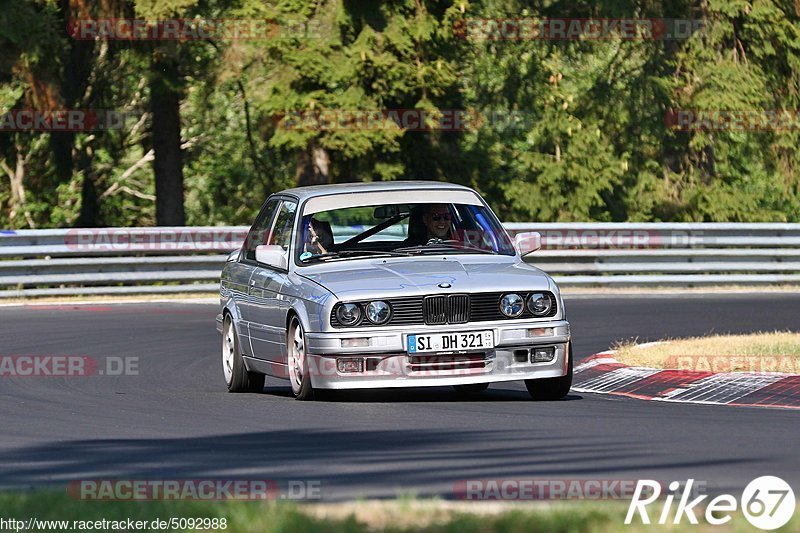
[[400, 230]]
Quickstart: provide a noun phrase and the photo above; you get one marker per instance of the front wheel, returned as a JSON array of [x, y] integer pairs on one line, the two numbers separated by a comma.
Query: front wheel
[[299, 376], [552, 388], [237, 378]]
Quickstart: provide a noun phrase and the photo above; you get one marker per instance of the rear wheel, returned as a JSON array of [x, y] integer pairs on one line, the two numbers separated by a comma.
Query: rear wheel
[[299, 376], [237, 378], [552, 388], [472, 388]]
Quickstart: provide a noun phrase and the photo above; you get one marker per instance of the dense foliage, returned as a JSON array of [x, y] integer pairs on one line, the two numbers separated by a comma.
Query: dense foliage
[[559, 129]]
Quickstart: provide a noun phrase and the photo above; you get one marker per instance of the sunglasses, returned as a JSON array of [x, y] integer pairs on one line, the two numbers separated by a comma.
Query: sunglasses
[[443, 216]]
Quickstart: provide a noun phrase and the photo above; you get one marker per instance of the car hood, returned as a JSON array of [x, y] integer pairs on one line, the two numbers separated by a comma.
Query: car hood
[[397, 277]]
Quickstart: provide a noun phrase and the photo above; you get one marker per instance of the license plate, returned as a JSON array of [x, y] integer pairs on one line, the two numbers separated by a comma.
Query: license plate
[[450, 342]]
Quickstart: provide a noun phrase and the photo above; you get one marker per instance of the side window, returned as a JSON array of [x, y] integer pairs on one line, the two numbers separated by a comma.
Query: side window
[[259, 233], [282, 232]]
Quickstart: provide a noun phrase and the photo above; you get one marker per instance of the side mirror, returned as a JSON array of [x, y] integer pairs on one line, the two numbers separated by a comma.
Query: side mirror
[[528, 242], [272, 255], [234, 255]]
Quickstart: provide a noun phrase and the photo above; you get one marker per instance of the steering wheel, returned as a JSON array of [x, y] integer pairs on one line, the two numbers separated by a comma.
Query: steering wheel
[[442, 241]]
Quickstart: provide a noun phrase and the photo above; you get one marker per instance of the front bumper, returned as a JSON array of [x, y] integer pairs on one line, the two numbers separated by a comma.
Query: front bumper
[[385, 362]]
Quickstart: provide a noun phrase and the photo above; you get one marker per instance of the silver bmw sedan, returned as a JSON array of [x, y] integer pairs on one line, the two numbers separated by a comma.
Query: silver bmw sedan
[[394, 284]]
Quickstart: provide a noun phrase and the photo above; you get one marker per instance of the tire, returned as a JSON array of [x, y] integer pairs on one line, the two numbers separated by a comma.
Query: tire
[[471, 389], [552, 388], [297, 361], [236, 375]]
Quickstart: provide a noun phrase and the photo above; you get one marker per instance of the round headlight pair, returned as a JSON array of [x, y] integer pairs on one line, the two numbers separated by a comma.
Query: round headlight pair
[[512, 304], [378, 312]]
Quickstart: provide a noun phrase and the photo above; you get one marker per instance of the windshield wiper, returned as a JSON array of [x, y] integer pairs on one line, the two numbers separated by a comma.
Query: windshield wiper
[[444, 246], [350, 253]]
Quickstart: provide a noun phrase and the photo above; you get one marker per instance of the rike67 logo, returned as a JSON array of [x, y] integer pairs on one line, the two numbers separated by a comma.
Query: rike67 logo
[[767, 502]]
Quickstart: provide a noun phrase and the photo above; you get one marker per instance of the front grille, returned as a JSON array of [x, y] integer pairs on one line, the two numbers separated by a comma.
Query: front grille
[[458, 308], [440, 309], [443, 309], [435, 310]]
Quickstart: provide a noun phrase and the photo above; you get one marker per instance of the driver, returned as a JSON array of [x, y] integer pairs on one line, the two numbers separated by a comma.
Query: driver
[[436, 218]]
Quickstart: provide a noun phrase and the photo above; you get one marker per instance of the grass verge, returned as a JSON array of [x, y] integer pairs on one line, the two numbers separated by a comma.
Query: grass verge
[[404, 515], [777, 351]]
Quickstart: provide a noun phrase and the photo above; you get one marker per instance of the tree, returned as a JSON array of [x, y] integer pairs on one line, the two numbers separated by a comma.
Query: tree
[[576, 129], [343, 57]]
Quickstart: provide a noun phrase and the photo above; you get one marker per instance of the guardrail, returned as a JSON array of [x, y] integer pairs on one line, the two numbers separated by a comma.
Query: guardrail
[[188, 259]]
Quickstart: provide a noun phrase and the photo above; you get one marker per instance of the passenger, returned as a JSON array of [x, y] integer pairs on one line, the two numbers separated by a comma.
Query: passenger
[[320, 237]]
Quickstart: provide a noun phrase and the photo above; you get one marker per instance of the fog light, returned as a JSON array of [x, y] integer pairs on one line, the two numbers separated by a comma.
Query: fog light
[[543, 355], [540, 332], [349, 365], [355, 342]]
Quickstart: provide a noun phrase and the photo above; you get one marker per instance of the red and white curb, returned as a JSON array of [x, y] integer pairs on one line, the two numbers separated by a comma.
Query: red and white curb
[[603, 374]]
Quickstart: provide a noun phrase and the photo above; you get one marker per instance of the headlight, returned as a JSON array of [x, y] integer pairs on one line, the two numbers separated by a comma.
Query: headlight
[[378, 312], [511, 305], [348, 314], [539, 304]]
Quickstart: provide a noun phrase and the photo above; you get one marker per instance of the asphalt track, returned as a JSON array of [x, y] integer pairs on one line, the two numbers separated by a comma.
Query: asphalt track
[[174, 420]]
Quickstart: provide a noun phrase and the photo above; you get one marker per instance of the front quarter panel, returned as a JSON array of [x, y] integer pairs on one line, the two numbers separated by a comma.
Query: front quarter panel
[[311, 301]]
